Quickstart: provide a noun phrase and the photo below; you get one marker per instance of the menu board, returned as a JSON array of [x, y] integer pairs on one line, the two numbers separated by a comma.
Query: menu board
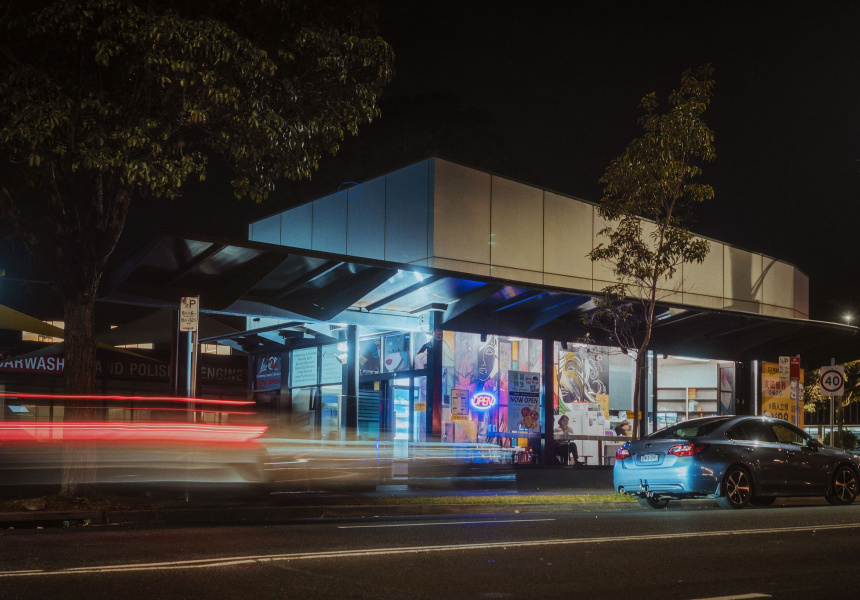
[[303, 367], [459, 405]]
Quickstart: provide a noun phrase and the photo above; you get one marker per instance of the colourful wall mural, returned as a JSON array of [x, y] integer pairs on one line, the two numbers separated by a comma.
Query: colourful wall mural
[[482, 366]]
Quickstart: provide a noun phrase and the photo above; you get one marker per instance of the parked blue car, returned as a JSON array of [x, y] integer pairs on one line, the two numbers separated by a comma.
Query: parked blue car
[[735, 460]]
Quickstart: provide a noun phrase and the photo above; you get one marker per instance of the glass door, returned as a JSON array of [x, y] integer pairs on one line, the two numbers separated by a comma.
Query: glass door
[[401, 407]]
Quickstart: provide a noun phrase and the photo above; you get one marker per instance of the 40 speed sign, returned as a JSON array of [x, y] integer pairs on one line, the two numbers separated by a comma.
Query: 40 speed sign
[[832, 381]]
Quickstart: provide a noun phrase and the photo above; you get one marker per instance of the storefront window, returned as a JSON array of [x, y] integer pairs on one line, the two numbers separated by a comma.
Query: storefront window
[[330, 409], [476, 370], [301, 419], [316, 392], [419, 405]]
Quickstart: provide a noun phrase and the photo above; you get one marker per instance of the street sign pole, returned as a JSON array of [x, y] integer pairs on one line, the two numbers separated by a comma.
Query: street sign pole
[[832, 383], [189, 315]]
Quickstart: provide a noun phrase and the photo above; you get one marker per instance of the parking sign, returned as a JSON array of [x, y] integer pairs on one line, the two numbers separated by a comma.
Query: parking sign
[[189, 310]]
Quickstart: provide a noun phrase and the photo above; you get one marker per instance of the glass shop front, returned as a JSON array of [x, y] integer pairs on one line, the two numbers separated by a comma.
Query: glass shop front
[[493, 391]]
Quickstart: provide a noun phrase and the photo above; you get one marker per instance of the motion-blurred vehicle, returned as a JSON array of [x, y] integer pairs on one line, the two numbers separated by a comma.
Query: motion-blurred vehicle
[[737, 461], [139, 456]]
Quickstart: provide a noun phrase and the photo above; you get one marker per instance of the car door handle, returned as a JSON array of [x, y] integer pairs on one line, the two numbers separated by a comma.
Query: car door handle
[[748, 448]]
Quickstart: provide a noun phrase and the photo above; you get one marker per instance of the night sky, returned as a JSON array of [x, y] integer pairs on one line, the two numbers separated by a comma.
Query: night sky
[[563, 81], [548, 93]]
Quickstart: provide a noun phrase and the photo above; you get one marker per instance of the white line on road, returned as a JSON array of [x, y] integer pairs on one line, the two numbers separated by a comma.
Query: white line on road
[[205, 563], [741, 597], [445, 523]]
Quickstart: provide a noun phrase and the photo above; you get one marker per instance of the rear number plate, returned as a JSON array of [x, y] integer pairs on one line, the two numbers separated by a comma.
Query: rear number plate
[[648, 458]]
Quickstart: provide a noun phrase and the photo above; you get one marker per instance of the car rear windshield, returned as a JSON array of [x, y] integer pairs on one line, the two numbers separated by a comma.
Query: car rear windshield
[[690, 429]]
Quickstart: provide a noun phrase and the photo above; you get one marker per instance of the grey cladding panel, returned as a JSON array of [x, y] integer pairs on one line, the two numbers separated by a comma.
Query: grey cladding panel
[[330, 224], [366, 220], [296, 226], [406, 212]]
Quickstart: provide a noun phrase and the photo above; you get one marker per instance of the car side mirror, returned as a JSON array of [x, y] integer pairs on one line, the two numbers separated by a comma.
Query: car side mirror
[[813, 444]]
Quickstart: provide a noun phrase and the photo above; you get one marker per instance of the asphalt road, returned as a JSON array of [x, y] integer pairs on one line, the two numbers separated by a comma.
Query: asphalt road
[[797, 550]]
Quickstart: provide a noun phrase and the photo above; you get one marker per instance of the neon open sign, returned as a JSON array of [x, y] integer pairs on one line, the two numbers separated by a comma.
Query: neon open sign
[[483, 401]]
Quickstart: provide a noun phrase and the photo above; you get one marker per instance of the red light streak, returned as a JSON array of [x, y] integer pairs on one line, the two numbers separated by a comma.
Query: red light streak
[[127, 398], [163, 409], [120, 432]]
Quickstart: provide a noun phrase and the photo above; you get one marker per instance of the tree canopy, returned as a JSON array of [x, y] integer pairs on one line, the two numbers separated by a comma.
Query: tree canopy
[[106, 101], [648, 195]]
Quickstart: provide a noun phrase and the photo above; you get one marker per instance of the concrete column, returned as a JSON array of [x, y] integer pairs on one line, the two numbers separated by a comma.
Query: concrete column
[[434, 381], [349, 414]]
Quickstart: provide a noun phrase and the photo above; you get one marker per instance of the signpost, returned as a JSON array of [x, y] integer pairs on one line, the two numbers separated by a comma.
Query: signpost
[[784, 368], [832, 383], [189, 315]]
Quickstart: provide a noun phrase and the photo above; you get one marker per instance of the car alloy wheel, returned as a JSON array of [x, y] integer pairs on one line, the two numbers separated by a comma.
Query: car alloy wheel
[[843, 488], [737, 489]]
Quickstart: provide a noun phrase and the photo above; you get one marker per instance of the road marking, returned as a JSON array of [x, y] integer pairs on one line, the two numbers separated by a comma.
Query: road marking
[[445, 523], [741, 597], [205, 563]]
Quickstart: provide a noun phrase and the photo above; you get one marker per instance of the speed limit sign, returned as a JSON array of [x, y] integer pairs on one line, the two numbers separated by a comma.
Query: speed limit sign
[[832, 381]]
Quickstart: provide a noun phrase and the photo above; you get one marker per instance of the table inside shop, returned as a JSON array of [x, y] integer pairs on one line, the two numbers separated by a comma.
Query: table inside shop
[[515, 435], [613, 440]]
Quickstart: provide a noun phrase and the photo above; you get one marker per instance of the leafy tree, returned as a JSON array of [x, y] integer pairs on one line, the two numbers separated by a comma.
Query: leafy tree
[[648, 193], [107, 101]]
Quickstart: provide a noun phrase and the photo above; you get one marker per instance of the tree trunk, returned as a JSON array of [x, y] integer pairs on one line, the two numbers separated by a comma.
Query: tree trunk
[[79, 476], [637, 394]]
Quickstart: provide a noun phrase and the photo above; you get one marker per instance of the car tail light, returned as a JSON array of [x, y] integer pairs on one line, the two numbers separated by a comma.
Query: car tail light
[[622, 453], [687, 449]]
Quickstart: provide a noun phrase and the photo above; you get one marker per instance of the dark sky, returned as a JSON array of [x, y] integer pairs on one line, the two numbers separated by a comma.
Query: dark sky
[[563, 81], [548, 93]]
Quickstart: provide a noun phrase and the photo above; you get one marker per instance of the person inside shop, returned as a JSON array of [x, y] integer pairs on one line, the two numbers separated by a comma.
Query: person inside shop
[[566, 451], [623, 428]]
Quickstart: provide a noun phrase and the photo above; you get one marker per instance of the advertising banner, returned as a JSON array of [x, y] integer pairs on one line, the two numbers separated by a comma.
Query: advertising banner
[[269, 372], [777, 397], [524, 401]]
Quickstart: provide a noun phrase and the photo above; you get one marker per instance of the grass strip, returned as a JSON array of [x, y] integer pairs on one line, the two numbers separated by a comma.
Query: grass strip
[[504, 499], [61, 503]]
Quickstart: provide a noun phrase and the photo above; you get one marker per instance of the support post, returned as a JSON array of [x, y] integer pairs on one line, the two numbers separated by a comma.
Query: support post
[[549, 407], [433, 425], [349, 417]]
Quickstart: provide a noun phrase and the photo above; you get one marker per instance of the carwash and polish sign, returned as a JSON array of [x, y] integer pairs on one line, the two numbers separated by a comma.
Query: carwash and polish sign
[[125, 368]]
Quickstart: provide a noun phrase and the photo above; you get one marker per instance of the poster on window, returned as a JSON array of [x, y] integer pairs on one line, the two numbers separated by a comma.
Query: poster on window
[[331, 369], [368, 356], [396, 352], [776, 395], [524, 401], [303, 367], [269, 372]]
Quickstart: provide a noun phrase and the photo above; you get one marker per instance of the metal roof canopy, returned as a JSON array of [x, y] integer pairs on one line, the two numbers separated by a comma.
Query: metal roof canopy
[[315, 293]]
